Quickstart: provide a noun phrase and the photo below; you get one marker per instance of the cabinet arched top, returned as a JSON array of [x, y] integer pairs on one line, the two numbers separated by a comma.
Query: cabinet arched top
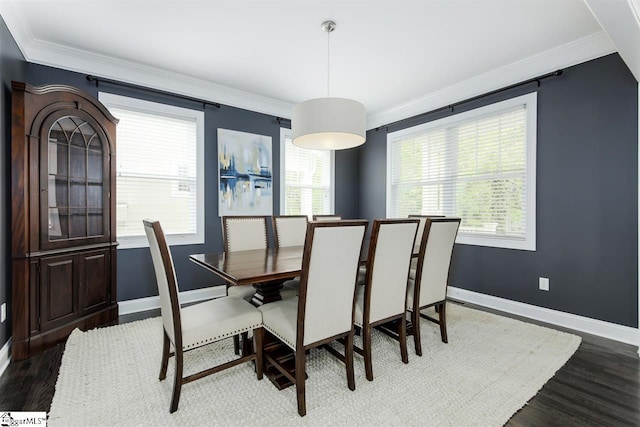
[[65, 89]]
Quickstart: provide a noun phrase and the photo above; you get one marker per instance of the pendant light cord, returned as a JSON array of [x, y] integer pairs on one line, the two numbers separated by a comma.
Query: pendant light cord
[[328, 61]]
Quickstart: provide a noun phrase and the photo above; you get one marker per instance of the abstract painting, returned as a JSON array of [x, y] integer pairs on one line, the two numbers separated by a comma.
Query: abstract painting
[[244, 174]]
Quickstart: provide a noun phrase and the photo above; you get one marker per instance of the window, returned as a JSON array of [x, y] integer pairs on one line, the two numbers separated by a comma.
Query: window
[[479, 165], [159, 172], [307, 179]]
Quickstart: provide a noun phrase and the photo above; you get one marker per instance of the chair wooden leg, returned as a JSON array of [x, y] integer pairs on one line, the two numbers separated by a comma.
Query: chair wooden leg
[[258, 336], [366, 339], [443, 321], [402, 334], [348, 361], [165, 356], [415, 320], [177, 382], [236, 344], [299, 376], [244, 344]]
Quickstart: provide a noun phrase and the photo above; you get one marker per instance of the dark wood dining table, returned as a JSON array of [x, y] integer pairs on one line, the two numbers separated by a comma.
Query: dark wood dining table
[[265, 269]]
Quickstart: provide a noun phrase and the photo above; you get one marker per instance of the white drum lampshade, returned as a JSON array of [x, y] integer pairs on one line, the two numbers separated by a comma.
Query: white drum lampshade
[[328, 124]]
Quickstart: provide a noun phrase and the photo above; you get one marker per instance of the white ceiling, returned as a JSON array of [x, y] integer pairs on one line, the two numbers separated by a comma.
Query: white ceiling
[[396, 57]]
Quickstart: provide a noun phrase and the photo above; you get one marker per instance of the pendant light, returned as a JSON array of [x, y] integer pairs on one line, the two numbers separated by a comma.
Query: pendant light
[[328, 123]]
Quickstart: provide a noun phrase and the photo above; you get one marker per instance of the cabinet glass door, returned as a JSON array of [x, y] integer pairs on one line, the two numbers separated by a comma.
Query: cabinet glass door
[[76, 190]]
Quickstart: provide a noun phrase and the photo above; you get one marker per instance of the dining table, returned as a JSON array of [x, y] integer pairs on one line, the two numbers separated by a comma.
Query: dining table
[[265, 269]]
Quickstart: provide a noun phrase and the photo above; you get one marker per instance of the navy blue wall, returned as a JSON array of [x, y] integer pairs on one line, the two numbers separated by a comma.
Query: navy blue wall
[[135, 271], [586, 195], [12, 67], [587, 198]]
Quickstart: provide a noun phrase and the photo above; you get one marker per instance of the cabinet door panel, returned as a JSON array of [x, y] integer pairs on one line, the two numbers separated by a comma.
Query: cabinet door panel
[[94, 281], [58, 291]]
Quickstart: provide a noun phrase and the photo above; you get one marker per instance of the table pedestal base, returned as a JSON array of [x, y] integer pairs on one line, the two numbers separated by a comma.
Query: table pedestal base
[[266, 293]]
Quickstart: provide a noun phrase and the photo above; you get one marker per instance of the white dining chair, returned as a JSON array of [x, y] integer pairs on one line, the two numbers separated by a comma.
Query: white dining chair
[[290, 230], [327, 217], [383, 298], [429, 287], [191, 327], [243, 233], [324, 310]]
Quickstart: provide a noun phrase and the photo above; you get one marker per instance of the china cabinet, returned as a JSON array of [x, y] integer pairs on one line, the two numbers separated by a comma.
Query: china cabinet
[[63, 215]]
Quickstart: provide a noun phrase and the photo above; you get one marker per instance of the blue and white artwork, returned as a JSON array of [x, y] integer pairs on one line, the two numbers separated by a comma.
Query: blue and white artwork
[[244, 174]]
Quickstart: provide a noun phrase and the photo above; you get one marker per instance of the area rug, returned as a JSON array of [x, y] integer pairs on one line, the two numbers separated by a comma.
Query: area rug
[[490, 368]]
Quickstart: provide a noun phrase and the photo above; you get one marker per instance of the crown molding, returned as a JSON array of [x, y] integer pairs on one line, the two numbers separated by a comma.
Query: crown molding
[[55, 55], [59, 56], [621, 21], [576, 52]]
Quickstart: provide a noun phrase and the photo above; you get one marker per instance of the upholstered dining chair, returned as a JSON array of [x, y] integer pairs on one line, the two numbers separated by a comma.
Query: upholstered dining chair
[[383, 298], [243, 233], [324, 309], [423, 221], [429, 287], [289, 230], [327, 217], [199, 324]]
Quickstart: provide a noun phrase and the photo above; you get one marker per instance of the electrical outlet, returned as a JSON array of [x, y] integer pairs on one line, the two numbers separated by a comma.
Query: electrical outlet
[[3, 312], [543, 284]]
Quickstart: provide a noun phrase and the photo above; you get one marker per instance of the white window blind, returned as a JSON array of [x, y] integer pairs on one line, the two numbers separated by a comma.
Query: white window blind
[[478, 165], [158, 172], [307, 179]]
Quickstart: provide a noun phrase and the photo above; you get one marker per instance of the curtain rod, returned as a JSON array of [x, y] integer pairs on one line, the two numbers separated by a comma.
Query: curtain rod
[[97, 80], [456, 104]]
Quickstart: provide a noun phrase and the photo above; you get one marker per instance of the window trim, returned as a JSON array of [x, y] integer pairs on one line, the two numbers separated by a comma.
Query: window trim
[[530, 100], [140, 241], [284, 134]]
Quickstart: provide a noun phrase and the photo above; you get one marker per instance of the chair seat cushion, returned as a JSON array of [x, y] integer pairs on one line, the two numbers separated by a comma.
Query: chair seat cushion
[[216, 319], [359, 308], [410, 289], [412, 268], [280, 319], [427, 296], [362, 275], [290, 288], [243, 292]]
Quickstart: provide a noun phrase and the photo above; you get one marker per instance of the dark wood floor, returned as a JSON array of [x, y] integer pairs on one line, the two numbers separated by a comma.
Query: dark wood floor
[[599, 385]]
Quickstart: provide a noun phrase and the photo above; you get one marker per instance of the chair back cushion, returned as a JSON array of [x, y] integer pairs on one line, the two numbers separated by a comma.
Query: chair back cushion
[[420, 233], [327, 287], [388, 269], [244, 233], [290, 230], [435, 258], [327, 217], [165, 277]]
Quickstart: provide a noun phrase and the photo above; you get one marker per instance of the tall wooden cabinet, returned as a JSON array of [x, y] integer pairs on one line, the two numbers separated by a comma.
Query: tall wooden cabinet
[[63, 215]]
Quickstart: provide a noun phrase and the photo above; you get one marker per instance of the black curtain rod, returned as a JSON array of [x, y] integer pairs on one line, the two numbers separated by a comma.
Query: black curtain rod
[[282, 119], [456, 104], [97, 80]]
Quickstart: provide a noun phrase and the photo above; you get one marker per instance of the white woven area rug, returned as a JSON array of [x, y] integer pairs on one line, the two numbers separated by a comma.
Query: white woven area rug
[[491, 367]]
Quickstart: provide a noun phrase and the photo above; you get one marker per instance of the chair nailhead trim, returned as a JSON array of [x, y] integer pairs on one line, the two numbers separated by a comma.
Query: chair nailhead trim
[[283, 339], [219, 337]]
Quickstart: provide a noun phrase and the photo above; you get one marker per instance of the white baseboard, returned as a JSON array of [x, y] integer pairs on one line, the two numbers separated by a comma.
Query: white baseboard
[[608, 330], [5, 356], [150, 303]]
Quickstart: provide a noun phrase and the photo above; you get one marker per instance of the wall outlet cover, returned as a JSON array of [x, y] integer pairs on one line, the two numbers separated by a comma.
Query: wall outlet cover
[[543, 284]]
